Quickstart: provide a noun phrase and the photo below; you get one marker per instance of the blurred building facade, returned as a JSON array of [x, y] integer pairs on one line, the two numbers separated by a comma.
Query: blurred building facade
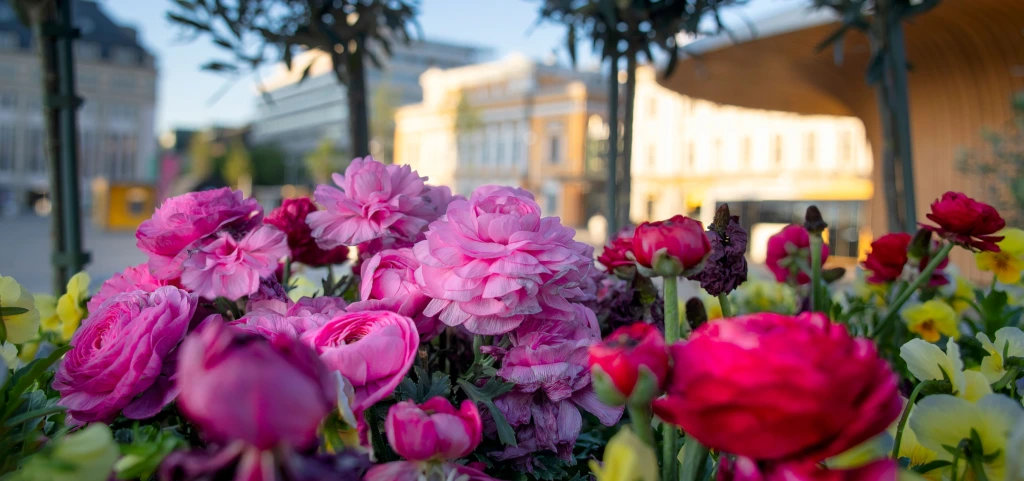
[[692, 155], [513, 122], [115, 76], [298, 115]]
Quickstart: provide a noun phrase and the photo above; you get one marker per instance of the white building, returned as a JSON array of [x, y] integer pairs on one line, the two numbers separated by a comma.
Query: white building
[[116, 78], [298, 116], [690, 155]]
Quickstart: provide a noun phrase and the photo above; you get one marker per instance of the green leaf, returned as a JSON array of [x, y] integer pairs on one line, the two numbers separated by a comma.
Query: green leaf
[[33, 415], [926, 467], [215, 66], [12, 311], [485, 395], [25, 377], [425, 387]]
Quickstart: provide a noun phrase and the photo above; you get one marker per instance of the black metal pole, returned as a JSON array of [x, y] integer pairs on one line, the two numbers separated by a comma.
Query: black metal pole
[[901, 118], [613, 146], [74, 258], [627, 138]]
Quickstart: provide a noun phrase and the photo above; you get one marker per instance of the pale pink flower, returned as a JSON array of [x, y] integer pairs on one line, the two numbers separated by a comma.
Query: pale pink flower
[[121, 359], [372, 349], [181, 222], [232, 269], [439, 196], [374, 200], [326, 305], [390, 276], [492, 260], [135, 278]]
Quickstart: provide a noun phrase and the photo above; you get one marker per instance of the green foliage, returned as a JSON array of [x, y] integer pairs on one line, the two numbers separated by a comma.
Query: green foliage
[[485, 395], [27, 413], [425, 387], [324, 161], [237, 164], [143, 448], [384, 104], [268, 166]]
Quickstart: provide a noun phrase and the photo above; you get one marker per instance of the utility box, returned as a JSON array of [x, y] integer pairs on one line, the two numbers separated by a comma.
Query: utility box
[[122, 206]]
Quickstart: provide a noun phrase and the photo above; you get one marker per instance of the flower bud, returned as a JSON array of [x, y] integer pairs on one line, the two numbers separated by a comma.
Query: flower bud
[[630, 365], [675, 247], [434, 429]]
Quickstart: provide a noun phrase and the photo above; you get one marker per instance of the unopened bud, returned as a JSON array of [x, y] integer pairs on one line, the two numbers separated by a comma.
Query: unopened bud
[[813, 221], [696, 315], [920, 245], [722, 217], [605, 388], [833, 274]]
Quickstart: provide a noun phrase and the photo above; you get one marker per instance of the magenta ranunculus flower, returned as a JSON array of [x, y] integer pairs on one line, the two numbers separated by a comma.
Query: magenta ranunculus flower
[[374, 200], [780, 388], [746, 469], [390, 275], [180, 222], [270, 324], [372, 349], [135, 278], [237, 386], [492, 261], [232, 269], [434, 429], [548, 363], [291, 219], [789, 255], [120, 360]]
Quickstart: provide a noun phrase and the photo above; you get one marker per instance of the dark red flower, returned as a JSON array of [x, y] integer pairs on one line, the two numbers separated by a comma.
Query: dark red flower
[[789, 255], [887, 258], [726, 269], [614, 258], [673, 247], [621, 356], [966, 222], [291, 218]]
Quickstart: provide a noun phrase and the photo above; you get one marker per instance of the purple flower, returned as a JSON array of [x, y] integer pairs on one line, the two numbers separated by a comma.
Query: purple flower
[[232, 269], [374, 200], [726, 269], [492, 260], [181, 222], [390, 276], [548, 363], [121, 358]]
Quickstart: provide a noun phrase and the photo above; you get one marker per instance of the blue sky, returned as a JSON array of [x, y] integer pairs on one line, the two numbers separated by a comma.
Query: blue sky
[[184, 91]]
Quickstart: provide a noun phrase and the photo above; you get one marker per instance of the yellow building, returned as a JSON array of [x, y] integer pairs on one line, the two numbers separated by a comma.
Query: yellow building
[[512, 122], [691, 155]]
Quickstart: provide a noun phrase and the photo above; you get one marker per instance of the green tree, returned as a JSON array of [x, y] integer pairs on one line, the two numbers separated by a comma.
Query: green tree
[[325, 160], [628, 30], [1001, 166], [882, 21], [385, 103], [256, 32], [200, 155], [268, 166]]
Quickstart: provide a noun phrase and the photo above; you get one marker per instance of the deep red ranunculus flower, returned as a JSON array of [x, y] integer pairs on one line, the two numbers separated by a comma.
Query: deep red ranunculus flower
[[624, 352], [789, 255], [674, 247], [966, 222], [614, 258], [291, 218], [887, 258]]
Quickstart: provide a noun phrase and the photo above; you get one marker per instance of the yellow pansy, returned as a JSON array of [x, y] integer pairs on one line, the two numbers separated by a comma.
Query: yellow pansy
[[20, 327], [928, 363], [9, 353], [28, 351], [1015, 453], [1009, 340], [869, 451], [1008, 263], [71, 306], [962, 295], [943, 420], [48, 318], [931, 320], [626, 458]]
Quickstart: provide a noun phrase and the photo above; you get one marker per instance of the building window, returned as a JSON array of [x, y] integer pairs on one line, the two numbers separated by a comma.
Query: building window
[[846, 147], [718, 152], [87, 51], [652, 107], [125, 56], [692, 154], [555, 149], [34, 150], [652, 156], [499, 152], [777, 150], [810, 146], [551, 203], [650, 208], [8, 101], [9, 40], [88, 81], [123, 83], [747, 151], [7, 148]]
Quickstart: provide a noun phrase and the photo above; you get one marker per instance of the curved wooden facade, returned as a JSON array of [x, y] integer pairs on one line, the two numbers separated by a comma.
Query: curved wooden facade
[[967, 59]]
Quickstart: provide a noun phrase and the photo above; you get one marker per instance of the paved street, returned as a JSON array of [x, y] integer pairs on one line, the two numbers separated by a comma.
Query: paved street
[[25, 251]]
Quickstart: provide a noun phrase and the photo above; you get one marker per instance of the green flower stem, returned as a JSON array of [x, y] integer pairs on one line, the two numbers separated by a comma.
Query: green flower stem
[[723, 301], [640, 416], [904, 418], [478, 342], [926, 274], [672, 321], [977, 467], [695, 455], [3, 329], [816, 294], [286, 277], [670, 434]]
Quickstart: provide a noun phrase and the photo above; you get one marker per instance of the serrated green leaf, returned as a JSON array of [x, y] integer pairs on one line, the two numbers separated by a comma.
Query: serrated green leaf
[[485, 395]]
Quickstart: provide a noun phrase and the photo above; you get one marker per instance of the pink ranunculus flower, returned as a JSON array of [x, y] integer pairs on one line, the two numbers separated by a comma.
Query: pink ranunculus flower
[[121, 358], [439, 196], [135, 278], [492, 261], [417, 471], [232, 269], [270, 324], [181, 222], [789, 255], [390, 275], [326, 305], [372, 349], [434, 429], [548, 363], [780, 388], [239, 387], [374, 200], [746, 469]]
